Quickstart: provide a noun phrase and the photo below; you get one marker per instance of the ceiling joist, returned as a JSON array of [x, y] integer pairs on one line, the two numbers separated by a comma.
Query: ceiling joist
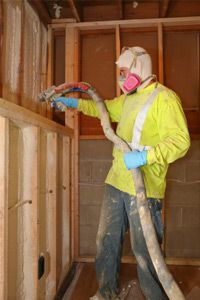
[[41, 10], [164, 6], [75, 10], [120, 9]]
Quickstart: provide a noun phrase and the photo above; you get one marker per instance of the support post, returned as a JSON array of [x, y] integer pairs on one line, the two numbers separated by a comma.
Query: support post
[[4, 123], [118, 50], [50, 67], [51, 179], [72, 120], [30, 197]]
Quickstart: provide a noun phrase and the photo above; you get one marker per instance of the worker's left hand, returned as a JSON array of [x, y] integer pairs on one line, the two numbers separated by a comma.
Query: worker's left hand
[[135, 159]]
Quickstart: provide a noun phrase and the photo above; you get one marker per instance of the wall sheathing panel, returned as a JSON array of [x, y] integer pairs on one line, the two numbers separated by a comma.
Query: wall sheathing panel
[[97, 68], [147, 40], [181, 72]]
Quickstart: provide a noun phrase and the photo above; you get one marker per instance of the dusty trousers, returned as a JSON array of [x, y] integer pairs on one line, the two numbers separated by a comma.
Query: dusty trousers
[[118, 213]]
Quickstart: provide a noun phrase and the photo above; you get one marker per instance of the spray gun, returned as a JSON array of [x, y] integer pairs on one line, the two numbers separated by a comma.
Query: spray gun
[[52, 93]]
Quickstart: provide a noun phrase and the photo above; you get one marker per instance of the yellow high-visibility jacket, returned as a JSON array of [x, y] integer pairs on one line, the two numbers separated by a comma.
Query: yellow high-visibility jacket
[[164, 130]]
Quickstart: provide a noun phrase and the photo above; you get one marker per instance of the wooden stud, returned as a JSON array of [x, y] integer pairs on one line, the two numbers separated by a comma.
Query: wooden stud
[[72, 120], [21, 115], [160, 53], [50, 52], [51, 180], [30, 191], [4, 123], [76, 146], [66, 226], [1, 44], [118, 51], [92, 137]]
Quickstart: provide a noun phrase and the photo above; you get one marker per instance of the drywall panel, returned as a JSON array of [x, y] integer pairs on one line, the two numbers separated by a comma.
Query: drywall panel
[[98, 68]]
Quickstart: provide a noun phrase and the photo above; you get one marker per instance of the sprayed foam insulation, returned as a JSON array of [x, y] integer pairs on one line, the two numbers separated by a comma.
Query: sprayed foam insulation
[[32, 39], [24, 55], [12, 47]]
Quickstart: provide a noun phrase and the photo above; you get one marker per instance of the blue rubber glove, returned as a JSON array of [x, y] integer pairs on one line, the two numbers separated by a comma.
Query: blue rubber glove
[[68, 102], [135, 159]]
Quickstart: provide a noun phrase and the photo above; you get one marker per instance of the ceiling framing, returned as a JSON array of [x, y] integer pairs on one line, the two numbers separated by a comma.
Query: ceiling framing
[[104, 10]]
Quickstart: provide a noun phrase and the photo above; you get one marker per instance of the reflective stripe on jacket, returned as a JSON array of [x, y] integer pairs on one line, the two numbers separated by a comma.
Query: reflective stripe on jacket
[[164, 130]]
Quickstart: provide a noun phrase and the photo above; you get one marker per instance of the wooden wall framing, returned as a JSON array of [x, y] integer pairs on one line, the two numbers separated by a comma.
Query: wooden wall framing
[[23, 185], [73, 68]]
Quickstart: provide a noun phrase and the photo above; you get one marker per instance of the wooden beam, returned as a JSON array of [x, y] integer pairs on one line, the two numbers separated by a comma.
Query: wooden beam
[[51, 187], [66, 226], [41, 10], [72, 59], [4, 124], [74, 8], [164, 6], [182, 21], [30, 192], [118, 51], [23, 116], [1, 44], [120, 9], [50, 51], [160, 53]]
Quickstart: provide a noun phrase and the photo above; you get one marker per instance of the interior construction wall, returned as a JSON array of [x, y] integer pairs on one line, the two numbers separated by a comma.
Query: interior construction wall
[[38, 212], [182, 201]]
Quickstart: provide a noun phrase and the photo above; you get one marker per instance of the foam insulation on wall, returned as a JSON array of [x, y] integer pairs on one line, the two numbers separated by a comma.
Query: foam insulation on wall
[[11, 52], [32, 40]]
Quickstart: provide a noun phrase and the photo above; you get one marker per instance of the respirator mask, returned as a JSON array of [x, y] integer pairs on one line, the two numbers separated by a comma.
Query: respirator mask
[[128, 59]]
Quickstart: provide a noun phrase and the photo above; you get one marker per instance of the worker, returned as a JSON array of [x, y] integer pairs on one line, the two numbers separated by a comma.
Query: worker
[[151, 120]]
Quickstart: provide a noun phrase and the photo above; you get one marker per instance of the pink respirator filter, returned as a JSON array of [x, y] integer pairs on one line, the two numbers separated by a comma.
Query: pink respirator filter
[[131, 83]]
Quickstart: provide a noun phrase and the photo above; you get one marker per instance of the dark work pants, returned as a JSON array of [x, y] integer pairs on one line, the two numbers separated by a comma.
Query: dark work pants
[[118, 213]]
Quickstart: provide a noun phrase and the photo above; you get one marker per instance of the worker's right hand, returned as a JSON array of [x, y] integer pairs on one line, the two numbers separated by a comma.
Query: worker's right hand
[[68, 102]]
